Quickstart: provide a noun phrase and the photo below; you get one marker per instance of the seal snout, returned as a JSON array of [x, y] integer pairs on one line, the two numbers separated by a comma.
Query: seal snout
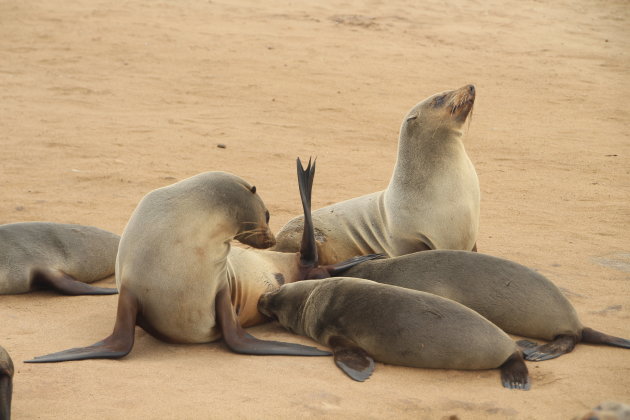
[[462, 102], [263, 303]]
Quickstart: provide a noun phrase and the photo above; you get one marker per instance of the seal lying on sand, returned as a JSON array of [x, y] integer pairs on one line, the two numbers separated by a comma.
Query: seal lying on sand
[[54, 255], [6, 384], [517, 299], [432, 201], [363, 321], [181, 282]]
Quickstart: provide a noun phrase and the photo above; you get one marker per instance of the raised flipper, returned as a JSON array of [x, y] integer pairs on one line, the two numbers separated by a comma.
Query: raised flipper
[[6, 384], [514, 374], [351, 359], [49, 278], [117, 345], [239, 341], [537, 353], [308, 248]]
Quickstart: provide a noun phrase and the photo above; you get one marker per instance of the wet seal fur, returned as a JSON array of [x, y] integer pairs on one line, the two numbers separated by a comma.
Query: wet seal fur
[[363, 321], [431, 202], [517, 299], [6, 384], [181, 280], [60, 256]]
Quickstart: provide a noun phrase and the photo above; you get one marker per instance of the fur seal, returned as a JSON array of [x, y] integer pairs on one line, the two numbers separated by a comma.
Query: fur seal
[[181, 281], [54, 255], [431, 202], [6, 384], [363, 321], [516, 298]]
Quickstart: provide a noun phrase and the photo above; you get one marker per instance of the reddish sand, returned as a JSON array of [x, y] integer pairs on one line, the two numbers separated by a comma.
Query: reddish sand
[[102, 102]]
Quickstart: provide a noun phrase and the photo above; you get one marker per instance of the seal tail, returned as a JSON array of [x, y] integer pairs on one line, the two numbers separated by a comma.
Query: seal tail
[[591, 336]]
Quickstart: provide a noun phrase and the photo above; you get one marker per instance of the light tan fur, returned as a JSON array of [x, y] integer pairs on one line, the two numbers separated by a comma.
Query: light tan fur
[[431, 202]]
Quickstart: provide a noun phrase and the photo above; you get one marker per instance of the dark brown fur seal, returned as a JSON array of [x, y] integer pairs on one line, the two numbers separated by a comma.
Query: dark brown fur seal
[[363, 321], [54, 255], [6, 384], [431, 202], [517, 299]]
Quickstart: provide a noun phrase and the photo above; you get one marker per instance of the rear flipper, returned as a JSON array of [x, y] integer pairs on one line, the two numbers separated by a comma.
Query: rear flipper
[[537, 353], [338, 269], [117, 345], [351, 359], [49, 278], [514, 374], [591, 336], [240, 341]]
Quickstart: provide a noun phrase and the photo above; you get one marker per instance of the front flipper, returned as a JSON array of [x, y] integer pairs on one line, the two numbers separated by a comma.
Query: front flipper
[[514, 373], [560, 345], [50, 278], [338, 269], [117, 345], [352, 359], [239, 341]]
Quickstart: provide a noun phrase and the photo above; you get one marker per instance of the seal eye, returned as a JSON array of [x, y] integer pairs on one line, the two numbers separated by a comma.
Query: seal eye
[[439, 101], [253, 189], [267, 216]]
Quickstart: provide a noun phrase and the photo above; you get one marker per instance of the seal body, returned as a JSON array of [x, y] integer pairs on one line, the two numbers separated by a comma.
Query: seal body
[[431, 202], [390, 324], [33, 251], [173, 254], [514, 297], [6, 384]]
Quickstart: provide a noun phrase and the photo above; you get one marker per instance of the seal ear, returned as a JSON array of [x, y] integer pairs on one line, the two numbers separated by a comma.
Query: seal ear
[[253, 189], [352, 359], [412, 117]]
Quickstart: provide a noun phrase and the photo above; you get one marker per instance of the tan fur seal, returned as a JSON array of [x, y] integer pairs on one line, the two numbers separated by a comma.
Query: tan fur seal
[[363, 321], [6, 384], [54, 255], [431, 202], [181, 282], [517, 299]]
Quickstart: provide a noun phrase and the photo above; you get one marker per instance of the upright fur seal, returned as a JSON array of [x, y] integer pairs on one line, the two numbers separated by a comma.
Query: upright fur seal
[[54, 255], [515, 298], [363, 321], [6, 384], [431, 202], [180, 280]]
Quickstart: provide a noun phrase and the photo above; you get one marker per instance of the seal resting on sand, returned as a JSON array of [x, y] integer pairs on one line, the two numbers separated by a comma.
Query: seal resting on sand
[[431, 202], [6, 384], [55, 256], [363, 321], [516, 298]]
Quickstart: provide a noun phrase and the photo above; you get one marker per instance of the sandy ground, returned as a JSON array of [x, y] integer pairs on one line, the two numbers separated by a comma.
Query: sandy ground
[[101, 102]]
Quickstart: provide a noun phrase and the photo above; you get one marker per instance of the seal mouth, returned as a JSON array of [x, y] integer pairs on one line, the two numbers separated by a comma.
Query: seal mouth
[[462, 102]]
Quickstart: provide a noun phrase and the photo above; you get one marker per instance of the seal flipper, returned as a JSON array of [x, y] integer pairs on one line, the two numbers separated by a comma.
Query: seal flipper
[[308, 247], [351, 359], [117, 345], [514, 373], [591, 336], [50, 278], [560, 345], [336, 270], [239, 341]]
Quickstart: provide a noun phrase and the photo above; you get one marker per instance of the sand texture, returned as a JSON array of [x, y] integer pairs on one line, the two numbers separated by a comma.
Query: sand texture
[[101, 102]]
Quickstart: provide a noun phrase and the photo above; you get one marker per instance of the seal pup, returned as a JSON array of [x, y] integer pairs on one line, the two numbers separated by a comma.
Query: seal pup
[[431, 202], [516, 298], [362, 321], [6, 384], [58, 256], [180, 279]]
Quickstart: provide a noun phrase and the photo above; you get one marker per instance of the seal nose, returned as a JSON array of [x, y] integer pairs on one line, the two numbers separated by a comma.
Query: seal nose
[[471, 89]]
